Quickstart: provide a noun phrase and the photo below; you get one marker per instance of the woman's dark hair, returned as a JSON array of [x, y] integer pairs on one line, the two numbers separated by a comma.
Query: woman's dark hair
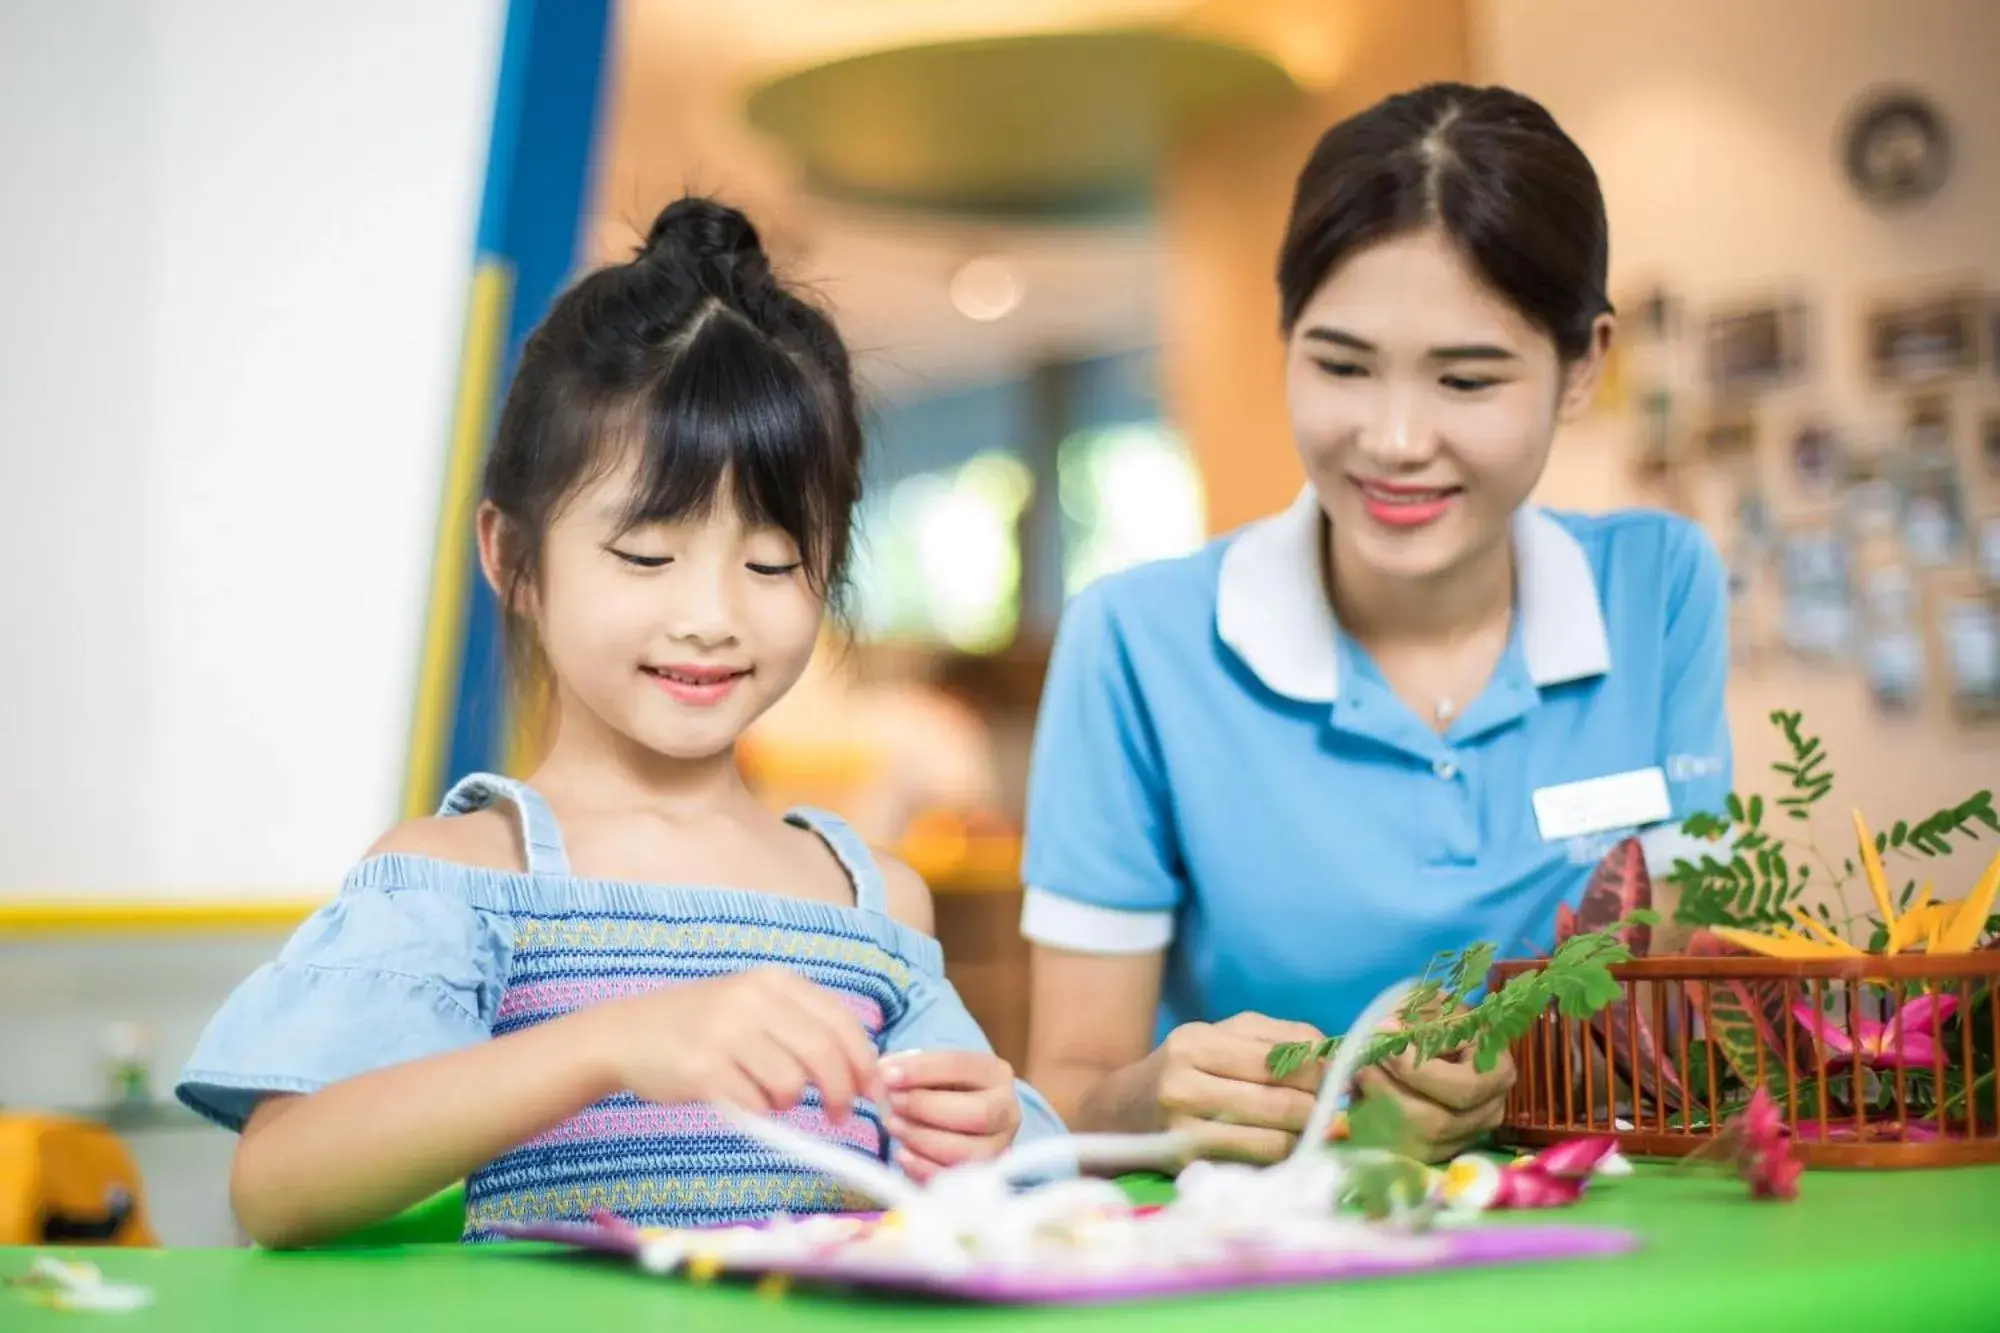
[[1486, 166], [694, 359]]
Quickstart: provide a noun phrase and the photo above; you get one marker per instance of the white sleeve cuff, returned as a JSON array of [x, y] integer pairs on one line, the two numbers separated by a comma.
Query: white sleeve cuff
[[1064, 923]]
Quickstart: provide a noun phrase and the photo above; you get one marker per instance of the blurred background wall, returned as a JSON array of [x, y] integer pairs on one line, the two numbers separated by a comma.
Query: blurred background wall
[[1716, 130], [234, 242], [234, 247], [237, 246]]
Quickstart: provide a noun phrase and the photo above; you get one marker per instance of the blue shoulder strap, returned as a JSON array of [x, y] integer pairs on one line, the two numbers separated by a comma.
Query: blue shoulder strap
[[870, 895], [539, 833]]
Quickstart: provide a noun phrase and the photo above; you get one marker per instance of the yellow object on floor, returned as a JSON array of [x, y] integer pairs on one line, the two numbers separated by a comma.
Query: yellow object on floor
[[68, 1182]]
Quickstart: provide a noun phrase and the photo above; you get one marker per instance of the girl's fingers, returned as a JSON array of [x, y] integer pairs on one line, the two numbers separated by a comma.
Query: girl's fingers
[[942, 1147], [964, 1071], [733, 1087], [856, 1050], [774, 1070], [820, 1054], [976, 1113], [916, 1166]]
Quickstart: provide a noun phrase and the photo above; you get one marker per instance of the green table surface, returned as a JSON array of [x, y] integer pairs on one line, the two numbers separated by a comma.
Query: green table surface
[[1857, 1250]]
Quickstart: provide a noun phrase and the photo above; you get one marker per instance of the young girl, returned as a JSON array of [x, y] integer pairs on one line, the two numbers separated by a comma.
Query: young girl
[[542, 989]]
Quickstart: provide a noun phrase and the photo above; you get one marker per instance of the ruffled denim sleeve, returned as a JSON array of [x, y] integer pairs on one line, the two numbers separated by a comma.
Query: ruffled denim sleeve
[[377, 977]]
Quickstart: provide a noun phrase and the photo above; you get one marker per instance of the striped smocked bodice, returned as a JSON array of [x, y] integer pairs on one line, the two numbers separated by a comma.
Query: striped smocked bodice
[[577, 942]]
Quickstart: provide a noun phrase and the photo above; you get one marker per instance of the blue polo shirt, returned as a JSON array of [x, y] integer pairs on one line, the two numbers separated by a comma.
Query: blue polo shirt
[[1219, 772]]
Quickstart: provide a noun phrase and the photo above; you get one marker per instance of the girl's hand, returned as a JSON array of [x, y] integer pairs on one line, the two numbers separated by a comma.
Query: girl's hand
[[754, 1040], [947, 1108], [1212, 1082]]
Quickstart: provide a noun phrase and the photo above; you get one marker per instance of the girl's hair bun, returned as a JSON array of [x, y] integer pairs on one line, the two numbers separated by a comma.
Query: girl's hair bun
[[701, 229]]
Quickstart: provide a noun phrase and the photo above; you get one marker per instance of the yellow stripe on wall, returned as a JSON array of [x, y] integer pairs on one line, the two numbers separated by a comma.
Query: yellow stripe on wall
[[81, 915], [451, 572]]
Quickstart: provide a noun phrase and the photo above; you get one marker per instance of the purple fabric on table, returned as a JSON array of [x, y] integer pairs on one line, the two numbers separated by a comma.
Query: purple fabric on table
[[1460, 1249]]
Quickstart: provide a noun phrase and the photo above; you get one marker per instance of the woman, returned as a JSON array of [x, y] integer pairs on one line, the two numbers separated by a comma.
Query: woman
[[1409, 712]]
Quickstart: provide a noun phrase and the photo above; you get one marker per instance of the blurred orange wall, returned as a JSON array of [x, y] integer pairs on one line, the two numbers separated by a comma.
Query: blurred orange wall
[[1223, 205]]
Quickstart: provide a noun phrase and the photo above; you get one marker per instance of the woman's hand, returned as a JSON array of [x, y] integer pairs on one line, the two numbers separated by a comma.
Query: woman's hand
[[754, 1040], [947, 1108], [1446, 1103], [1213, 1083]]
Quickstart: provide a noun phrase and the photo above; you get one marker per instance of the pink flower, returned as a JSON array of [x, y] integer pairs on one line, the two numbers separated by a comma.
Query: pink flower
[[1764, 1150], [1552, 1178], [1525, 1187], [1759, 1126], [1760, 1119], [1774, 1175], [1903, 1041], [1572, 1158]]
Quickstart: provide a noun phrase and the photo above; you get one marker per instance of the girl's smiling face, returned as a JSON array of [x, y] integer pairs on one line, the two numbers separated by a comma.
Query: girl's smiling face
[[675, 636], [1423, 405]]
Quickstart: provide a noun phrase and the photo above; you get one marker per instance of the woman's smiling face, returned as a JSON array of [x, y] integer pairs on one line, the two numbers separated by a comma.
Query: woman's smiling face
[[1423, 405]]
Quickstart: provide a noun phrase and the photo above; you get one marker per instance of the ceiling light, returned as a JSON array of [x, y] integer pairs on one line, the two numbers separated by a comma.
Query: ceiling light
[[986, 289], [1034, 123]]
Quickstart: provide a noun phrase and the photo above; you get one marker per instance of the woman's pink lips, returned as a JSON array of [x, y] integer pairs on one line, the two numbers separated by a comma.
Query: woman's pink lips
[[1395, 505]]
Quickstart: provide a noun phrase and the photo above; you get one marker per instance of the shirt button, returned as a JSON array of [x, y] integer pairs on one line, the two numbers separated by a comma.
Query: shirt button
[[1445, 769]]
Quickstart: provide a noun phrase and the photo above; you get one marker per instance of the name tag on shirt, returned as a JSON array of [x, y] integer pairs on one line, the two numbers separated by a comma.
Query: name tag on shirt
[[1596, 805]]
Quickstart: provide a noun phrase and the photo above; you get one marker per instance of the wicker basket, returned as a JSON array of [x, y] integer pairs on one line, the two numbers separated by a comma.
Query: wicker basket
[[1664, 1068]]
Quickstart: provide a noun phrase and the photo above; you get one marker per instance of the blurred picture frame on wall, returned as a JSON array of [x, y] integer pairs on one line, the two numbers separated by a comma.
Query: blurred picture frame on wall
[[1892, 658], [1815, 457], [1658, 464], [1750, 578], [1752, 347], [1754, 529], [1889, 595], [1870, 497], [1730, 433], [1649, 313], [1933, 508], [1925, 338], [1656, 427], [1988, 551], [1892, 649], [1967, 626], [1817, 613]]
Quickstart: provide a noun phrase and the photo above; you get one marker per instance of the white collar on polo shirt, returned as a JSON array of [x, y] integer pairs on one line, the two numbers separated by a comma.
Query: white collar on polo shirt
[[1271, 607]]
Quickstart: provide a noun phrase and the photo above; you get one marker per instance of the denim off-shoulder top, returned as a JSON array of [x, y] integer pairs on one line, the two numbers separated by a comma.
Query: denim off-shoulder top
[[418, 956]]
